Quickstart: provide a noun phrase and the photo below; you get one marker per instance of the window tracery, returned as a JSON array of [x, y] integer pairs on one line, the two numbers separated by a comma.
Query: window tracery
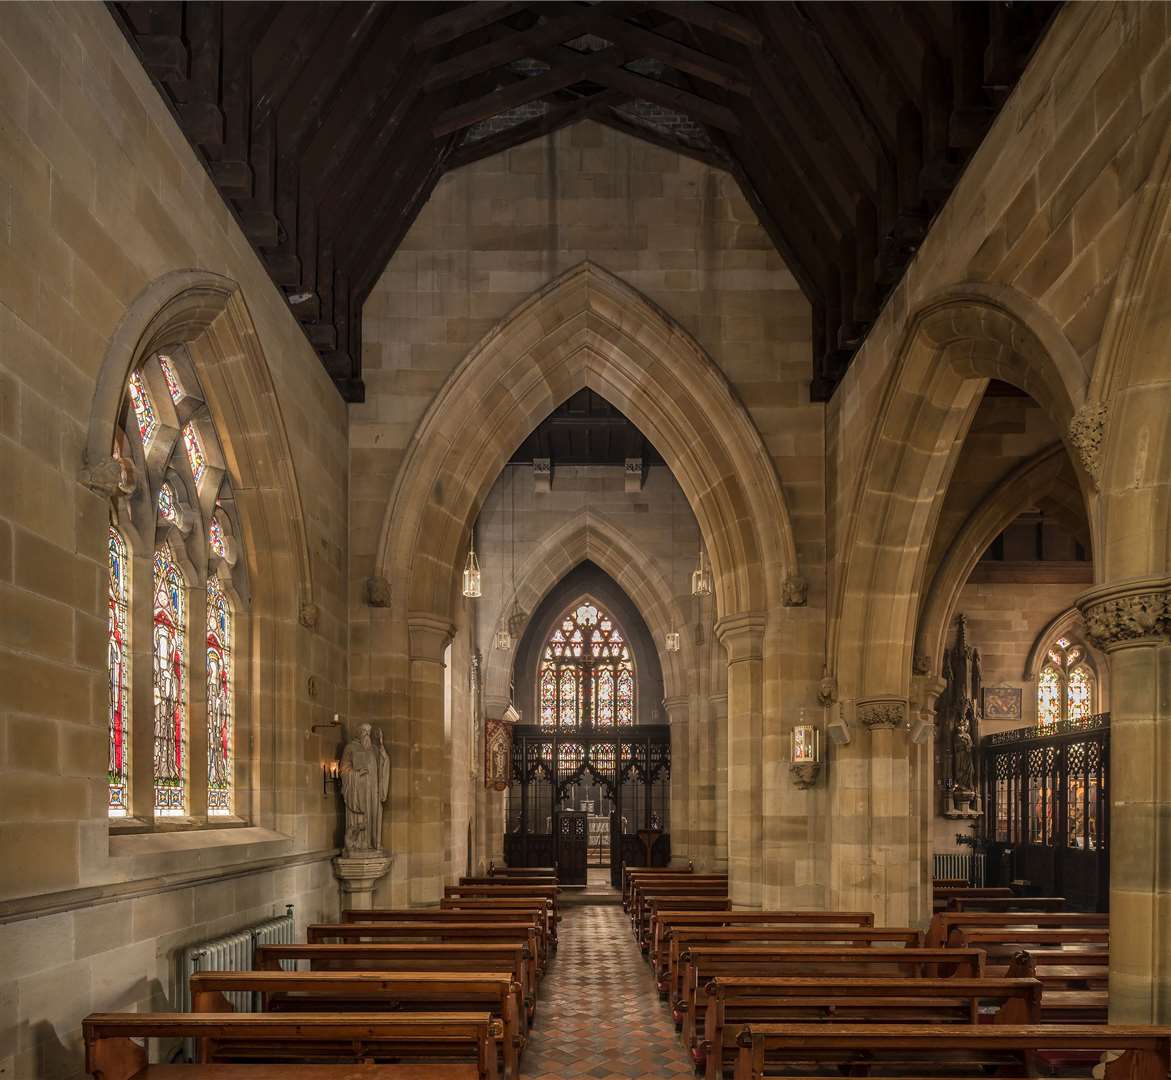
[[586, 676], [187, 519], [1067, 686]]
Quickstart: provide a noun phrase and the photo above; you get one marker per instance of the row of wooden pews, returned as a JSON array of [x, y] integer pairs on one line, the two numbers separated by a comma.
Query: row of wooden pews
[[389, 994], [1001, 989]]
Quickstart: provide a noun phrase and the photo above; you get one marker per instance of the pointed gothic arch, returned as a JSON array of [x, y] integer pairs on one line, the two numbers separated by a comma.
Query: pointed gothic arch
[[588, 329]]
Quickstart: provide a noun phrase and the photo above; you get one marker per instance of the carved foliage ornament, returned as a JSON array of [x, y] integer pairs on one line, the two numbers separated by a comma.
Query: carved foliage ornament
[[1086, 432], [1132, 615], [879, 713]]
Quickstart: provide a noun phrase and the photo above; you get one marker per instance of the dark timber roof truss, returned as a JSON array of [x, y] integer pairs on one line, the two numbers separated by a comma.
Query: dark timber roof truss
[[326, 125]]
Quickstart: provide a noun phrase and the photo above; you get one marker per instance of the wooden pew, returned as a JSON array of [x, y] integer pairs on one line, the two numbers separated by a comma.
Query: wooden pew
[[731, 1003], [495, 871], [535, 906], [917, 1050], [1074, 994], [665, 921], [262, 1071], [426, 916], [512, 879], [517, 933], [1004, 943], [681, 883], [642, 894], [1006, 903], [1069, 968], [297, 1038], [717, 901], [942, 896], [701, 964], [548, 893], [950, 883], [632, 873], [416, 956], [372, 991], [943, 922], [785, 936]]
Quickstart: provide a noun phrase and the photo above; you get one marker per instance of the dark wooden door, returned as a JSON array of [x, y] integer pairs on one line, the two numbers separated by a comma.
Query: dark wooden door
[[572, 846]]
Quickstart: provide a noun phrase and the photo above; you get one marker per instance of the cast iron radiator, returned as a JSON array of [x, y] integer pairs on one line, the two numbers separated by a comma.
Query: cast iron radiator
[[958, 864]]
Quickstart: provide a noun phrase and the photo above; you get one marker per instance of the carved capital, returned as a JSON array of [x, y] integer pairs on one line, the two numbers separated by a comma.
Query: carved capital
[[1087, 430], [795, 591], [377, 592], [875, 714], [429, 637], [1132, 613], [113, 478], [742, 636], [309, 615]]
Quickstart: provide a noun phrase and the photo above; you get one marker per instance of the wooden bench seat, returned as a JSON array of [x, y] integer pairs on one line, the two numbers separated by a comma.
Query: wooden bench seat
[[418, 956], [520, 933], [629, 873], [942, 923], [784, 936], [372, 991], [1007, 942], [730, 1003], [920, 1050], [262, 1071], [681, 883], [716, 900], [111, 1052], [667, 921], [1015, 904], [693, 891], [701, 964], [495, 871], [428, 916], [535, 906]]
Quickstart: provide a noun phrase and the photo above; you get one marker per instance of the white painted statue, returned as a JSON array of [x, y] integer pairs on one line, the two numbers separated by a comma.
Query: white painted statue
[[365, 777]]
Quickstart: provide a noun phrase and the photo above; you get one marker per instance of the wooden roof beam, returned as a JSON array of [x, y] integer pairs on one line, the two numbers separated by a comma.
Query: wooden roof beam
[[715, 19], [463, 19]]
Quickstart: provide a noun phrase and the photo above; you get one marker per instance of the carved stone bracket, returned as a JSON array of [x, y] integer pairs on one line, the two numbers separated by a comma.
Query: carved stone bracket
[[377, 592], [795, 591], [827, 689], [805, 773], [1132, 613], [358, 874], [113, 478], [921, 664], [882, 713], [309, 615], [1086, 432]]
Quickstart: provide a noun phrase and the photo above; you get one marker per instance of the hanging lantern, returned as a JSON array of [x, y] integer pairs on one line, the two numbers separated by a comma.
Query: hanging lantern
[[471, 587], [701, 581], [673, 641], [804, 753], [502, 640], [516, 620]]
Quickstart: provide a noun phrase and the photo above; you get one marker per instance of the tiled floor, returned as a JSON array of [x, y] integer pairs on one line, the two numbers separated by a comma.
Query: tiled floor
[[599, 1014]]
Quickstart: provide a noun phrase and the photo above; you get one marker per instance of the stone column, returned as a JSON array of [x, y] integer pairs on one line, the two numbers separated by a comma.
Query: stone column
[[717, 746], [742, 637], [429, 638], [892, 802], [681, 815], [1132, 623]]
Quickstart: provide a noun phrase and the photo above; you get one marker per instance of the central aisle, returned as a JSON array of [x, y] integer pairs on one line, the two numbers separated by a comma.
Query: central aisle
[[599, 1014]]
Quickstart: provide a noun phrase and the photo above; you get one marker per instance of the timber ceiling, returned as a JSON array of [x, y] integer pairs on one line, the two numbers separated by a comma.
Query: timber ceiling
[[586, 430], [326, 125]]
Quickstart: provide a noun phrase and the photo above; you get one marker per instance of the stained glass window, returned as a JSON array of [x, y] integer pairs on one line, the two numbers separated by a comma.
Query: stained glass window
[[215, 538], [1067, 687], [219, 699], [168, 507], [195, 455], [587, 673], [144, 410], [118, 659], [171, 377], [170, 669]]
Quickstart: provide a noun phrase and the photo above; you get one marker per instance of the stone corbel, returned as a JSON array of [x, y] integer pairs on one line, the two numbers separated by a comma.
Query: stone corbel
[[1087, 432], [795, 591], [634, 473], [805, 773], [925, 691], [309, 615], [1126, 614], [377, 591], [882, 714], [112, 478]]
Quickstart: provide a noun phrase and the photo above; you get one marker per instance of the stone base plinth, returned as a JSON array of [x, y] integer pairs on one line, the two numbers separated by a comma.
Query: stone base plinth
[[357, 875]]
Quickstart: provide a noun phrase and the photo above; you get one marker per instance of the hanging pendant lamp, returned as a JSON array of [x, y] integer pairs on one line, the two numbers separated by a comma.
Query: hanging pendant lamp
[[701, 581], [471, 587]]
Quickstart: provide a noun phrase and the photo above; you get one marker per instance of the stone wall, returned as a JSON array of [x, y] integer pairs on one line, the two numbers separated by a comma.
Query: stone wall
[[101, 199]]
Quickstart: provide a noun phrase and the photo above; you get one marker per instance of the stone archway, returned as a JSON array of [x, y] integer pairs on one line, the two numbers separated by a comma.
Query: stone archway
[[206, 314], [589, 329], [952, 346]]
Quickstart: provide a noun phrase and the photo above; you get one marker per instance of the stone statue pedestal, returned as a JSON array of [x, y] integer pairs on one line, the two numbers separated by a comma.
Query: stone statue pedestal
[[357, 875]]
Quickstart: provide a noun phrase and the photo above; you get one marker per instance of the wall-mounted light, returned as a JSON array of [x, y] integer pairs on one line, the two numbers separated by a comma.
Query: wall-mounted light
[[502, 639], [673, 641], [805, 753], [329, 775]]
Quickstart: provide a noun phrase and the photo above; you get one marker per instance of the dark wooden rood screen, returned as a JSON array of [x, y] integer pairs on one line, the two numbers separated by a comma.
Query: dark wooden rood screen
[[625, 776], [1047, 811]]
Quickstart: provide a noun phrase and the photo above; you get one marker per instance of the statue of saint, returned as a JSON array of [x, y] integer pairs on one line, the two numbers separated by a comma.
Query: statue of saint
[[365, 777], [964, 767]]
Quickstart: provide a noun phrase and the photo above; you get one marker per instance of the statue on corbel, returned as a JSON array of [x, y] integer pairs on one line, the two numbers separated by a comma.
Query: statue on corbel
[[958, 742]]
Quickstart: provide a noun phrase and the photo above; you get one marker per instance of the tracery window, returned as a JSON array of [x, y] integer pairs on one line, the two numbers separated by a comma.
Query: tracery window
[[170, 691], [118, 653], [219, 699], [1067, 687], [183, 514], [586, 676]]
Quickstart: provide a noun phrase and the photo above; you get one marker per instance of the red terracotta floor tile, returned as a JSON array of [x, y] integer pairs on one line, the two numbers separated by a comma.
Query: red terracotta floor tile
[[599, 1016]]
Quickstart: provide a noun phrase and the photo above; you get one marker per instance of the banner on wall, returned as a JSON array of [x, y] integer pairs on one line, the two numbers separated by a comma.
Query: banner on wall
[[498, 749]]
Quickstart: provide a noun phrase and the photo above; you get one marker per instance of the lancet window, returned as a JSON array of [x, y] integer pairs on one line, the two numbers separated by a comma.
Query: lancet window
[[180, 520], [586, 676], [1067, 687]]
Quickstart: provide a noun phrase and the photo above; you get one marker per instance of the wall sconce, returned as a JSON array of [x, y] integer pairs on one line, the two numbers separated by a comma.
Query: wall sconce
[[329, 775], [805, 753], [502, 640], [673, 641]]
